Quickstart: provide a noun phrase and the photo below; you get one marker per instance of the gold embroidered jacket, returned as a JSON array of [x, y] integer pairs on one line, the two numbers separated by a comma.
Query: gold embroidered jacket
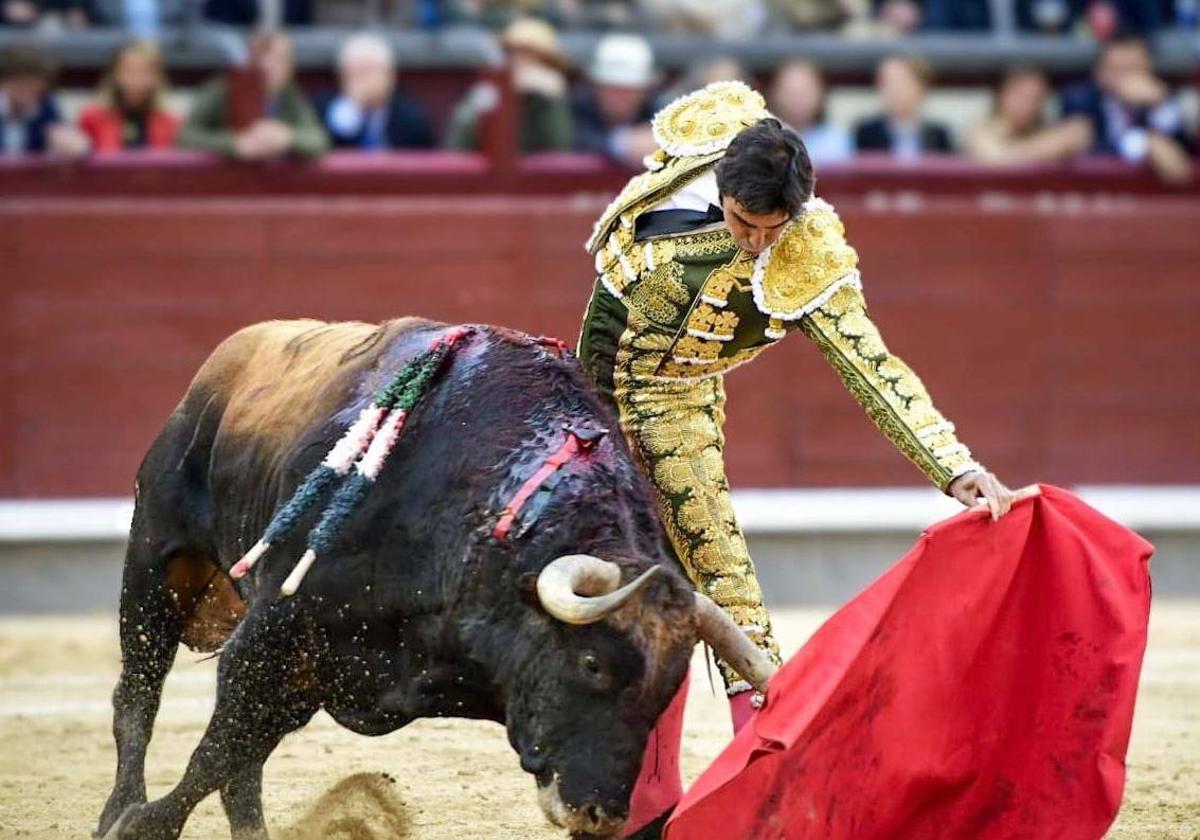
[[721, 306]]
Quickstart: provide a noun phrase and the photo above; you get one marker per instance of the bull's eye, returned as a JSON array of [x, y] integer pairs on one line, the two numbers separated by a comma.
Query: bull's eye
[[593, 672]]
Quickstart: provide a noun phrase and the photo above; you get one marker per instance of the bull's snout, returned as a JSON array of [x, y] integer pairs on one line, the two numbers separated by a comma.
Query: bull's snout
[[598, 819]]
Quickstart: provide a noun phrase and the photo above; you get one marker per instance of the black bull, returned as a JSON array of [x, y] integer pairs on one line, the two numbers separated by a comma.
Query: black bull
[[421, 611]]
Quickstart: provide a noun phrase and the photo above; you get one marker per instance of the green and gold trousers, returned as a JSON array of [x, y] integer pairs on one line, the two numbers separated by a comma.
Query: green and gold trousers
[[672, 315], [674, 428]]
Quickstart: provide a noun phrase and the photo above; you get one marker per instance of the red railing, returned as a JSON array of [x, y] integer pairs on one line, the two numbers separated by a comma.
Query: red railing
[[166, 173]]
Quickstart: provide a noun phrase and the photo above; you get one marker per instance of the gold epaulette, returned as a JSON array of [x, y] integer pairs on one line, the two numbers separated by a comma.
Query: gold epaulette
[[692, 134], [806, 266]]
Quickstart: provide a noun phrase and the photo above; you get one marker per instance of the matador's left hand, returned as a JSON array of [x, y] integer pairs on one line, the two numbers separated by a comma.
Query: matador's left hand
[[969, 487]]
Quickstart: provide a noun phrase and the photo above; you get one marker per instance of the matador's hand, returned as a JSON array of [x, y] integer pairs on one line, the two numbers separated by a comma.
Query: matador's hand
[[969, 487]]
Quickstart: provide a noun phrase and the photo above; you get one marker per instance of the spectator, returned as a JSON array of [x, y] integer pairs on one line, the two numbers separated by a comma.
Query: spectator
[[817, 14], [538, 67], [30, 120], [249, 12], [1102, 18], [1016, 132], [498, 14], [1132, 114], [49, 14], [902, 82], [721, 68], [287, 125], [131, 113], [369, 113], [613, 110], [895, 18], [139, 18], [956, 15], [724, 19], [797, 96]]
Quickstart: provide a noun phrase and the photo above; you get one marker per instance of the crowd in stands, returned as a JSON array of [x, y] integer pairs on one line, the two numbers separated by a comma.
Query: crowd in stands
[[1123, 110], [720, 18]]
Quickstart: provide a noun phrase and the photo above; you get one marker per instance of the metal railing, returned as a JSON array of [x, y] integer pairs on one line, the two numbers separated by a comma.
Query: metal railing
[[202, 45]]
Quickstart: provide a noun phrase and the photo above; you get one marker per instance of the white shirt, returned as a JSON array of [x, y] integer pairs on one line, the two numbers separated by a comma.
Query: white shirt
[[695, 195]]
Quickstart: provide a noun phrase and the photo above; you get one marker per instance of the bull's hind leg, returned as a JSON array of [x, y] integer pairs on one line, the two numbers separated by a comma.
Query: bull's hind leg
[[150, 632], [263, 693]]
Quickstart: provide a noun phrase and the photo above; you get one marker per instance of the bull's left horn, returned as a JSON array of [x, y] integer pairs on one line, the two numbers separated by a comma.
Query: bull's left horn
[[582, 589], [730, 643]]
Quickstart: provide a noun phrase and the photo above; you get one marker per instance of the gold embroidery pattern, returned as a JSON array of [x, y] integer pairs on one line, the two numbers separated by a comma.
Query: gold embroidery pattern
[[660, 294], [709, 325], [894, 398], [708, 322], [810, 257], [643, 191], [675, 429], [700, 245], [692, 132], [674, 370], [706, 120]]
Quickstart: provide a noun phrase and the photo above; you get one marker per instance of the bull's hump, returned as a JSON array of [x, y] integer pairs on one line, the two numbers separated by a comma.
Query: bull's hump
[[280, 377]]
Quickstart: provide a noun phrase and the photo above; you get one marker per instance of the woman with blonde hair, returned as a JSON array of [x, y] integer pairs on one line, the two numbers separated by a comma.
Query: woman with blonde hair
[[131, 113]]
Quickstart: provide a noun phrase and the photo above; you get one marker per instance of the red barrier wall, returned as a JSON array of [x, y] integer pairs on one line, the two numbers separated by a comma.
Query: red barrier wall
[[1058, 332]]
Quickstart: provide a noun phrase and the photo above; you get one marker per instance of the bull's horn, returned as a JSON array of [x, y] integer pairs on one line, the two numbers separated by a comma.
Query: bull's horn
[[582, 589], [730, 643]]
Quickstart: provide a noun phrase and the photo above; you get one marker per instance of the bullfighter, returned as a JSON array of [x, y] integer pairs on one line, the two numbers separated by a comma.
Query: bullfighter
[[713, 254]]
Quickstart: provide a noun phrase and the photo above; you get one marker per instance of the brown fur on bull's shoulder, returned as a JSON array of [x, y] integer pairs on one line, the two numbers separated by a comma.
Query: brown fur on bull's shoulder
[[272, 379], [274, 376]]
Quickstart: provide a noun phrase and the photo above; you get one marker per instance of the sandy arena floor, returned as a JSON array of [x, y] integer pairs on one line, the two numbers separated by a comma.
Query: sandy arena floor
[[441, 779]]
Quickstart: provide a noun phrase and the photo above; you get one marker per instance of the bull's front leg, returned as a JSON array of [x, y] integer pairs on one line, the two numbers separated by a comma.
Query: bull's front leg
[[241, 797], [149, 637], [262, 695]]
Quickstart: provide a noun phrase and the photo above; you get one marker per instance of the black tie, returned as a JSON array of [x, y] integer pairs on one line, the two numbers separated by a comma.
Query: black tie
[[662, 222]]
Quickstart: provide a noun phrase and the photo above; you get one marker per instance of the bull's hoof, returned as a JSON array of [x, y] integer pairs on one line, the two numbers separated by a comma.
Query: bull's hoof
[[255, 833], [115, 830], [143, 822], [116, 806]]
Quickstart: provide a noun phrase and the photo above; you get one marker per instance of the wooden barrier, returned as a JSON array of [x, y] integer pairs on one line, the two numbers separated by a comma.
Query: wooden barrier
[[1058, 329]]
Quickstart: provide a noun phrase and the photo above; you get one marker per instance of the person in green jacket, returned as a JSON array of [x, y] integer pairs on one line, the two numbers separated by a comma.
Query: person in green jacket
[[288, 124], [538, 66]]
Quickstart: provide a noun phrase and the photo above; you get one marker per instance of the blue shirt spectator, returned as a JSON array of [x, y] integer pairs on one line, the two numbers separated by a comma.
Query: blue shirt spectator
[[1132, 114], [30, 120], [797, 96], [1064, 16]]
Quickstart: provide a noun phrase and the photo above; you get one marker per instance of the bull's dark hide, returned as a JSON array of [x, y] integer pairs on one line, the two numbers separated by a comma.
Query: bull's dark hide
[[418, 610]]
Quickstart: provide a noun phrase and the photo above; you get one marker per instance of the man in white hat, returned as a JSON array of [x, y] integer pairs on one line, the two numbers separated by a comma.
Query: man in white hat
[[612, 113]]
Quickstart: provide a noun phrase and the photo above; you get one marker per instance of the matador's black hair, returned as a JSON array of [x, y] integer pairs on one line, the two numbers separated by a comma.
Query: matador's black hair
[[766, 168]]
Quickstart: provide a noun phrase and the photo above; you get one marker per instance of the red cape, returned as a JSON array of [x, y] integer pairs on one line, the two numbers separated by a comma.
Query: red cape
[[981, 688]]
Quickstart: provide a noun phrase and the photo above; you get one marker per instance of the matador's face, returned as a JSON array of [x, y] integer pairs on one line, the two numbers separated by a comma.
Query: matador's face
[[753, 232]]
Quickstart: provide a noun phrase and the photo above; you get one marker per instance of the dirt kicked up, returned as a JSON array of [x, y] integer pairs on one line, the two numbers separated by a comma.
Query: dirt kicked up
[[441, 778]]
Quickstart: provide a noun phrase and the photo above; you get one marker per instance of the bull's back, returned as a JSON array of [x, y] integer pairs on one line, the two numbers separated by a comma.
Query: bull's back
[[275, 378], [261, 391]]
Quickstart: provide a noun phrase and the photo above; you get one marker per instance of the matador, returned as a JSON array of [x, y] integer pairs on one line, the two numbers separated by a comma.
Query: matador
[[716, 252]]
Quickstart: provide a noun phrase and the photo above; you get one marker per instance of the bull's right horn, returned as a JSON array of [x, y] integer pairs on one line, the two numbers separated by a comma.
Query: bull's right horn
[[582, 589], [730, 643]]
